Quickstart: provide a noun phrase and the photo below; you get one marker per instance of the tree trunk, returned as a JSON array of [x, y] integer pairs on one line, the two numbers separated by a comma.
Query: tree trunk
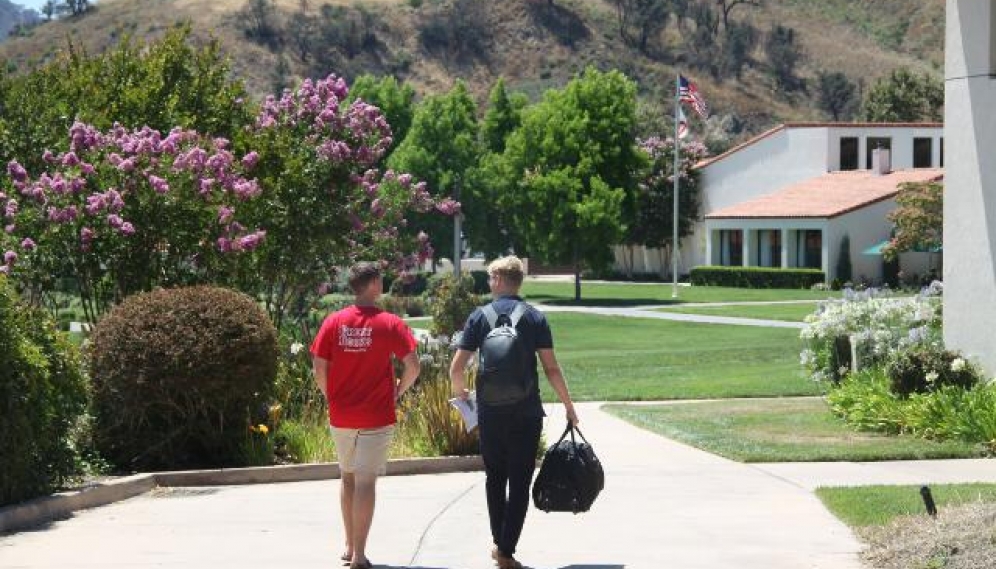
[[577, 273]]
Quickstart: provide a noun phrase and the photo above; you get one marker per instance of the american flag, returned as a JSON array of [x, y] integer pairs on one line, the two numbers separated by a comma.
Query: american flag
[[682, 124], [689, 93]]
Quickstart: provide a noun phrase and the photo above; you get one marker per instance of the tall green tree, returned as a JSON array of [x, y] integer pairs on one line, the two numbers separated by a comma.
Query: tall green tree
[[166, 84], [784, 54], [489, 225], [441, 148], [836, 94], [574, 160], [918, 219], [651, 211], [904, 96]]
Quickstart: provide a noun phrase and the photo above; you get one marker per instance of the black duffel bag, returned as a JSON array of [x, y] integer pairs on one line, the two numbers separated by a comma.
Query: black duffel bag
[[571, 476]]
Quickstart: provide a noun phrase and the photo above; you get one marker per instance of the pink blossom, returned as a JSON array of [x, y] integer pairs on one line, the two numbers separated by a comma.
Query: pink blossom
[[86, 236], [10, 210], [225, 214], [251, 241], [377, 208], [47, 156], [250, 160], [70, 159], [405, 180], [448, 207], [159, 185], [16, 171], [10, 228], [224, 244], [127, 228], [4, 270], [10, 258], [114, 220], [28, 244], [247, 189], [127, 165], [205, 185]]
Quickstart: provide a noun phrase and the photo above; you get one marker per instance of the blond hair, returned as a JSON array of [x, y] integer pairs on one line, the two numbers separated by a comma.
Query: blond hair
[[508, 268]]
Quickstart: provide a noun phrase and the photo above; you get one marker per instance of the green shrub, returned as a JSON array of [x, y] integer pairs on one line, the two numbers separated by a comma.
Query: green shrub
[[409, 285], [428, 424], [43, 396], [756, 277], [866, 401], [179, 378], [925, 367], [450, 303], [403, 305]]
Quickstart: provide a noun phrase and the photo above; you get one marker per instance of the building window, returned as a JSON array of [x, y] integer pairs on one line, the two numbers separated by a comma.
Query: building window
[[731, 251], [942, 146], [769, 248], [849, 153], [923, 150], [873, 143], [810, 248]]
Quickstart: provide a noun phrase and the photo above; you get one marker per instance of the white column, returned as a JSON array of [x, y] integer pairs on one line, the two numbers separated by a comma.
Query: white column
[[970, 179], [783, 239]]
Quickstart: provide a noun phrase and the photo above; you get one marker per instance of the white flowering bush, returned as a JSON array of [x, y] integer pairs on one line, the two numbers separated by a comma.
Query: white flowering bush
[[877, 323]]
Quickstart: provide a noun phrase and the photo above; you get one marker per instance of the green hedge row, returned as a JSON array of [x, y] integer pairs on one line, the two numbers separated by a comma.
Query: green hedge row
[[756, 277], [43, 395]]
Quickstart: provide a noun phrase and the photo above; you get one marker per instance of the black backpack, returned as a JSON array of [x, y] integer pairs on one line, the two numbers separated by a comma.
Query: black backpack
[[570, 478], [503, 374]]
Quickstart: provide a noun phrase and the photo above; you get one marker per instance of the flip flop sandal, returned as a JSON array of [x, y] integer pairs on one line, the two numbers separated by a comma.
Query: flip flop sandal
[[365, 565], [345, 558]]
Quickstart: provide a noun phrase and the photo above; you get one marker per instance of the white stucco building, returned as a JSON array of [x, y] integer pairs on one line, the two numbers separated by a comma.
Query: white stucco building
[[787, 197], [970, 188]]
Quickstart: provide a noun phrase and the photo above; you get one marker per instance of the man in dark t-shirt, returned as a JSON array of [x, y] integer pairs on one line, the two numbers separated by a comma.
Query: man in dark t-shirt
[[510, 433]]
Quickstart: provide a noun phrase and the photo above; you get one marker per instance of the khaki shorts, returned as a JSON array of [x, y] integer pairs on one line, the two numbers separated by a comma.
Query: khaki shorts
[[363, 450]]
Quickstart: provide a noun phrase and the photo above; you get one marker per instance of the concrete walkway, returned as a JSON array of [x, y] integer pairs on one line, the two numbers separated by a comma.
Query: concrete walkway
[[665, 505], [647, 312]]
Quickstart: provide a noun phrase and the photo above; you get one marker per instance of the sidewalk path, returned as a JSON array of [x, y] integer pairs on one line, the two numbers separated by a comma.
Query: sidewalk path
[[665, 505], [645, 312]]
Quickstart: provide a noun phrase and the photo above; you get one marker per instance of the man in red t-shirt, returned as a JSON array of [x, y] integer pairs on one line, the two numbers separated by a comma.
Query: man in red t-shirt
[[353, 369]]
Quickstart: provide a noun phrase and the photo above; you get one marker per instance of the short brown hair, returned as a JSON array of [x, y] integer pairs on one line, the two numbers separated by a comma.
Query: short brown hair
[[508, 268], [362, 274]]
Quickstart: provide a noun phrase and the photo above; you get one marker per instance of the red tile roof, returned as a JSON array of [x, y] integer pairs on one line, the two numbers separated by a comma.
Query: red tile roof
[[789, 125], [827, 196]]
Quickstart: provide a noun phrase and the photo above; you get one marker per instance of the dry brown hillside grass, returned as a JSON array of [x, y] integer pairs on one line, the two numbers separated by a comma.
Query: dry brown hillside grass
[[528, 46]]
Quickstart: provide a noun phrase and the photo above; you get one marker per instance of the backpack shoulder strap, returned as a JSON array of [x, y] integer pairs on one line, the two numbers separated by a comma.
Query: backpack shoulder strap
[[490, 315], [518, 313]]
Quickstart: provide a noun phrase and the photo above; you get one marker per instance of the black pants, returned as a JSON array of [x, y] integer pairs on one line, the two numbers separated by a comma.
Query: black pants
[[508, 447]]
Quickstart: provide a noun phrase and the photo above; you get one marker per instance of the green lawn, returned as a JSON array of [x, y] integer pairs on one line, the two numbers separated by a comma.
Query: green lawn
[[863, 506], [787, 312], [621, 359], [794, 430], [611, 294]]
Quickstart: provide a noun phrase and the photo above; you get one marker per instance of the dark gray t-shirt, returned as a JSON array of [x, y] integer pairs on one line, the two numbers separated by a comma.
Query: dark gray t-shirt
[[533, 330]]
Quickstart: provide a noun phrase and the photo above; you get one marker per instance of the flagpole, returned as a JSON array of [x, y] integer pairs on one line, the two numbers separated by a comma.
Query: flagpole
[[677, 150]]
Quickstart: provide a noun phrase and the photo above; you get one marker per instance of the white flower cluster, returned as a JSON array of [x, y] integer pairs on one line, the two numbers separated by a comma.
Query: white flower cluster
[[878, 322]]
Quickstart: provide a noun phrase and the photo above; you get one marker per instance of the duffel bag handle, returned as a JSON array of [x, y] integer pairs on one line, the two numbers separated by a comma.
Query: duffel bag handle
[[570, 429]]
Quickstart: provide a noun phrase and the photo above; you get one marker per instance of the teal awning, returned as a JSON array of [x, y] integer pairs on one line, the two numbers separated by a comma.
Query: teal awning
[[876, 249]]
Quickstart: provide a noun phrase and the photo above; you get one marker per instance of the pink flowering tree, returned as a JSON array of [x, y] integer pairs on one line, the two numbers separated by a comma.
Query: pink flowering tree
[[125, 211], [326, 202], [652, 222]]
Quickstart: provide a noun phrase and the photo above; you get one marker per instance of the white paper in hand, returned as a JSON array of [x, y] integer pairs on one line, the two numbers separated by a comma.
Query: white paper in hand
[[468, 410]]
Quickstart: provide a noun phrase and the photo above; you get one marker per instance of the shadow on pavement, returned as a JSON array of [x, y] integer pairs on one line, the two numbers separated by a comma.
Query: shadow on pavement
[[593, 567]]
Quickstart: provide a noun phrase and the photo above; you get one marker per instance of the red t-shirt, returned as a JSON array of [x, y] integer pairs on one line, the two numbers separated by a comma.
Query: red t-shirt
[[358, 343]]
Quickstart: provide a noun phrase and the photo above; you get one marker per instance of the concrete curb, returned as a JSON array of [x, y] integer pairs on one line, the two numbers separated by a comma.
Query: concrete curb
[[43, 510]]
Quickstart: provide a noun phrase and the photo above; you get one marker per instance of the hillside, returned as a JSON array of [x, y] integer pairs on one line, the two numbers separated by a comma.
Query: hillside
[[11, 15], [534, 44]]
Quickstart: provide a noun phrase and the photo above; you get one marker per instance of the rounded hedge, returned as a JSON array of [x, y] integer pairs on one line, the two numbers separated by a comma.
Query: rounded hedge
[[179, 376], [43, 394]]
